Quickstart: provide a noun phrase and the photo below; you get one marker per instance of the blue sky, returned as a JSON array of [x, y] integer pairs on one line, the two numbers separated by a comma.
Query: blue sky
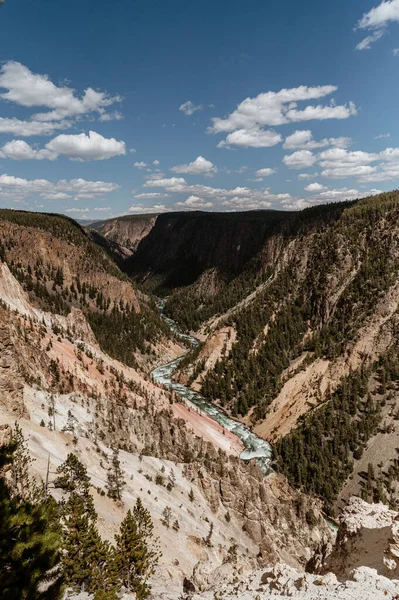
[[153, 105]]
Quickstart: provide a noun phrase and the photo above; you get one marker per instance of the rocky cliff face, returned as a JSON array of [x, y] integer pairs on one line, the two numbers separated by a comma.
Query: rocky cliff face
[[368, 536], [126, 231], [181, 246], [11, 382]]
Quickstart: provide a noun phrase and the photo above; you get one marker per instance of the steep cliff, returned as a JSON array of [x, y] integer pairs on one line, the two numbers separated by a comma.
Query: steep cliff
[[181, 246], [127, 231]]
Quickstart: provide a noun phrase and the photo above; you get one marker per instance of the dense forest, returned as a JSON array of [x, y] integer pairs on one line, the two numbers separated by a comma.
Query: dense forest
[[318, 456], [296, 300]]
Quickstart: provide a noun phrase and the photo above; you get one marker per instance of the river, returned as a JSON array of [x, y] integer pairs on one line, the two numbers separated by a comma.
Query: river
[[255, 447]]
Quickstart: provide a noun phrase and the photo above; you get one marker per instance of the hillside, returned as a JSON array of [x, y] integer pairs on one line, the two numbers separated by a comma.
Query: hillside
[[69, 393], [61, 268], [127, 231], [182, 246], [308, 320]]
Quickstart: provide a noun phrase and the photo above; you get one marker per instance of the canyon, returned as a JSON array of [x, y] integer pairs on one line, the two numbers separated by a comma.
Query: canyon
[[271, 325]]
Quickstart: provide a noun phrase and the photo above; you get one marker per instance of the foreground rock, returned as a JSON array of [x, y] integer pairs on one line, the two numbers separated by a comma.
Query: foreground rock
[[368, 536]]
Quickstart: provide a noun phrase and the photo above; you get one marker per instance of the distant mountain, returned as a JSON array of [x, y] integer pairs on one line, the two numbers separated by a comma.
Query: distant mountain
[[127, 231]]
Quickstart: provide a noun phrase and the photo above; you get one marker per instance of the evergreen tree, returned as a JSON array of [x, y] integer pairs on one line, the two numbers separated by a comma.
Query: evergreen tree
[[22, 485], [88, 562], [115, 478], [136, 551], [29, 545]]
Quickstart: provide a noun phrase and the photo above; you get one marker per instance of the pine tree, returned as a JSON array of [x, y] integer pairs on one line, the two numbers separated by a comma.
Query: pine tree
[[136, 551], [73, 477], [22, 485], [29, 545], [115, 478]]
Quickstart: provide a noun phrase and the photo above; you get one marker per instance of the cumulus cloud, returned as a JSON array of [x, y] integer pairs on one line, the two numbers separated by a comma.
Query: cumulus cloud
[[188, 108], [33, 90], [155, 162], [86, 147], [382, 136], [307, 175], [76, 147], [199, 166], [140, 165], [251, 138], [29, 128], [301, 159], [315, 187], [20, 86], [327, 196], [194, 203], [265, 172], [77, 210], [238, 198], [148, 195], [18, 187], [339, 163], [303, 139], [140, 208], [20, 150], [377, 21], [276, 108]]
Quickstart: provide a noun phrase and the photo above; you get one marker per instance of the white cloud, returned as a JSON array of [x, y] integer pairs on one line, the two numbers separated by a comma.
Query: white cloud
[[238, 203], [366, 43], [382, 136], [307, 175], [239, 198], [29, 128], [245, 124], [395, 51], [194, 203], [251, 138], [86, 147], [151, 195], [300, 159], [315, 187], [189, 108], [140, 165], [338, 163], [326, 196], [77, 210], [102, 208], [33, 90], [114, 116], [303, 139], [55, 196], [377, 21], [20, 150], [199, 166], [265, 172], [155, 162], [17, 188], [340, 195], [77, 147], [140, 208]]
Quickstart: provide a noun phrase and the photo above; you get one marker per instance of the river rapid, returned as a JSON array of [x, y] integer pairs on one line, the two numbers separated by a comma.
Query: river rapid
[[255, 447]]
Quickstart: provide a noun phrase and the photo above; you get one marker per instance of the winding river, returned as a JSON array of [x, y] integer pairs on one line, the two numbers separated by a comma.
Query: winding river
[[255, 447]]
